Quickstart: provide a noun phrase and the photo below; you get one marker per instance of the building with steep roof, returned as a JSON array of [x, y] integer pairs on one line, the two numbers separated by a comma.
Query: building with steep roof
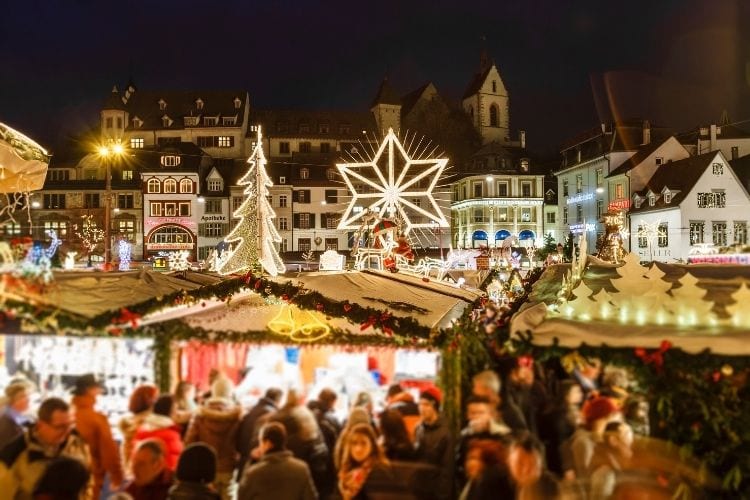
[[687, 204], [732, 140]]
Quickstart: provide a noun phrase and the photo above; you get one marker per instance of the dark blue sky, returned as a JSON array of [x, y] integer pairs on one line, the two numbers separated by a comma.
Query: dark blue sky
[[567, 64]]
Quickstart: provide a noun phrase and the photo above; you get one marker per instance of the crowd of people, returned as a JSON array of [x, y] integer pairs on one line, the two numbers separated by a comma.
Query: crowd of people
[[525, 436]]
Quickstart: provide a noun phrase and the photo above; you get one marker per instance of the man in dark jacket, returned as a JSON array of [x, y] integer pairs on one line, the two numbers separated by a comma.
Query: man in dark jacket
[[247, 435], [278, 474], [151, 477], [14, 417], [435, 444]]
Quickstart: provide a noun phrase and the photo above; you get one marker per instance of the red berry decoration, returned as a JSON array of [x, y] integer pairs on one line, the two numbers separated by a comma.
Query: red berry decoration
[[347, 307], [319, 307]]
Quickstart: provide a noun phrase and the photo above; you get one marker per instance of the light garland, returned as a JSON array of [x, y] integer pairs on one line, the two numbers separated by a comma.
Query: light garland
[[90, 235], [392, 190], [178, 260], [123, 251], [255, 232], [70, 260], [298, 325]]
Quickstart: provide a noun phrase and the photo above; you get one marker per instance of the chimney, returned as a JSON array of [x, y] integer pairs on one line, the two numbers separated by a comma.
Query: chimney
[[522, 138], [712, 144], [646, 132]]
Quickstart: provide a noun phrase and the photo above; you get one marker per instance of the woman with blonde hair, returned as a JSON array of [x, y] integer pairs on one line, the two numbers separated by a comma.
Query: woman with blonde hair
[[364, 470]]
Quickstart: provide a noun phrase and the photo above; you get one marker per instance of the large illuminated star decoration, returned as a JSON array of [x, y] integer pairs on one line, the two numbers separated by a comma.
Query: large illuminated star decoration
[[391, 185]]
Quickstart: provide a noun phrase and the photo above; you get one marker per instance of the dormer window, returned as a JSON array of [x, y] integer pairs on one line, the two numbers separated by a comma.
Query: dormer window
[[199, 103], [166, 121], [191, 121], [659, 160], [651, 200], [137, 122], [304, 173], [637, 200], [228, 120], [237, 103], [170, 161], [214, 185], [210, 121], [667, 197], [524, 165], [162, 104]]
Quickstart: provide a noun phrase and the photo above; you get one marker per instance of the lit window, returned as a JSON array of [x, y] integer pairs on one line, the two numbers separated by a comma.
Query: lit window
[[619, 191], [170, 209], [170, 160], [663, 235], [304, 173], [720, 234], [170, 186], [127, 175], [153, 186], [696, 232], [283, 224], [155, 209], [137, 143], [282, 201], [226, 141], [525, 214], [60, 227], [186, 186]]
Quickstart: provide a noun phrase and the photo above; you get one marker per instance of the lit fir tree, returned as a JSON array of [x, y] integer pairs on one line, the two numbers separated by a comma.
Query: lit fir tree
[[255, 234]]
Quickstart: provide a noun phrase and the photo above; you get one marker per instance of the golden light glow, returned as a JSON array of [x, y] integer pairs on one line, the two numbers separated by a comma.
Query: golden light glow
[[298, 325]]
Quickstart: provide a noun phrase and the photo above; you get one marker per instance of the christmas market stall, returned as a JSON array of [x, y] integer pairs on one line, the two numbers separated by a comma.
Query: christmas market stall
[[681, 331]]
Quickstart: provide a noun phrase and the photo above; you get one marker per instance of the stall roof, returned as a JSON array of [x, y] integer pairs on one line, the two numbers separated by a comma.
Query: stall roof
[[718, 281]]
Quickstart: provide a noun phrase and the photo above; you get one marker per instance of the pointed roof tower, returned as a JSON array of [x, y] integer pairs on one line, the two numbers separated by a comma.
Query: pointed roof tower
[[385, 94], [114, 99]]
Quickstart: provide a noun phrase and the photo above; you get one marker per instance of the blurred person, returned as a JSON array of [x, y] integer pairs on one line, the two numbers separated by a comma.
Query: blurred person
[[399, 399], [356, 416], [611, 456], [140, 405], [14, 416], [364, 400], [434, 444], [526, 465], [306, 442], [216, 423], [560, 421], [24, 460], [524, 393], [615, 384], [394, 437], [635, 413], [184, 400], [160, 425], [587, 376], [151, 477], [364, 471], [486, 472], [579, 450], [487, 384], [64, 479], [481, 424], [247, 434], [196, 470], [94, 429], [278, 475], [213, 374]]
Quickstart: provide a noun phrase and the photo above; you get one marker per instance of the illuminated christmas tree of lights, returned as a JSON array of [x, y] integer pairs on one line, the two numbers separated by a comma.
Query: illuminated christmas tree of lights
[[391, 182], [255, 234]]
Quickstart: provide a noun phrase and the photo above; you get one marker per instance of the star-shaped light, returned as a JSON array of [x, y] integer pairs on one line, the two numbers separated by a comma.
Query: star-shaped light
[[391, 182]]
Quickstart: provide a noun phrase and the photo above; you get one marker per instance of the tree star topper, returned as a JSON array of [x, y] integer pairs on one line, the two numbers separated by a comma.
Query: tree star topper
[[394, 189]]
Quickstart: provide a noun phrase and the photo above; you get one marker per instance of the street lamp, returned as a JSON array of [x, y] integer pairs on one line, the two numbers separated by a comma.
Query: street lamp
[[108, 152]]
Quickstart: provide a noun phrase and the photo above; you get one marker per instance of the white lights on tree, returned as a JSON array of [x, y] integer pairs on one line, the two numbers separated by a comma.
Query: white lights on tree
[[178, 261], [123, 251], [331, 260], [70, 260], [390, 183], [90, 235], [255, 234]]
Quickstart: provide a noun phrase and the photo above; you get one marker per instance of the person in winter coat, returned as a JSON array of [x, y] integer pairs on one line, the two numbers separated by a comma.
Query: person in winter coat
[[247, 435], [435, 444], [356, 416], [364, 472], [560, 421], [196, 470], [394, 437], [486, 472], [216, 423], [24, 460], [140, 405], [14, 417], [305, 441], [151, 478], [579, 449], [94, 429], [611, 456], [159, 425], [398, 399], [278, 475], [184, 400], [65, 478]]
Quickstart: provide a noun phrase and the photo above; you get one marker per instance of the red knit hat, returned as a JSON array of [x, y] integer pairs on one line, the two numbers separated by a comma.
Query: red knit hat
[[597, 408], [433, 395]]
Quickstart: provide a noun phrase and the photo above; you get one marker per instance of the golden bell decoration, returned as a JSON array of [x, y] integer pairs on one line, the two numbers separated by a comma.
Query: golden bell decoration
[[298, 325]]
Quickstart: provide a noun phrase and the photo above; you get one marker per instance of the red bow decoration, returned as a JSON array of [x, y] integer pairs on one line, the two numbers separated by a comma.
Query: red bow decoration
[[347, 307], [367, 324], [319, 307], [655, 358], [258, 284], [126, 316], [525, 362], [247, 278]]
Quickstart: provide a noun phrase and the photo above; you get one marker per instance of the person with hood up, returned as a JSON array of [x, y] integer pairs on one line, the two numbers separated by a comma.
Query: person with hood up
[[215, 423], [94, 429], [196, 470], [160, 425]]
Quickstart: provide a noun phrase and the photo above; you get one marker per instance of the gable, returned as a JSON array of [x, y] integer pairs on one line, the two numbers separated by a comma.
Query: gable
[[718, 175]]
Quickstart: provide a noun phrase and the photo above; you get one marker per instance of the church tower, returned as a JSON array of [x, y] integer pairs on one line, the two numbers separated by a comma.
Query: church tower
[[114, 116], [486, 102], [387, 108]]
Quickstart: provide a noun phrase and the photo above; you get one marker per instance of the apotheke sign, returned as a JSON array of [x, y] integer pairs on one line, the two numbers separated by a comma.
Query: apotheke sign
[[213, 218]]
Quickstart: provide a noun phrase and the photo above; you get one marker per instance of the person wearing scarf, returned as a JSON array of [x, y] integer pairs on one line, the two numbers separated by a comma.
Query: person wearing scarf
[[364, 469]]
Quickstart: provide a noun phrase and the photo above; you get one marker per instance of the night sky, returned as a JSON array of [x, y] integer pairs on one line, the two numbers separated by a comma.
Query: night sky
[[567, 64]]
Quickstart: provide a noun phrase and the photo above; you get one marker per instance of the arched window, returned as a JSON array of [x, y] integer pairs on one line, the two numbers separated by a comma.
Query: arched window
[[153, 186], [494, 116], [170, 186], [186, 186], [526, 235], [501, 235], [478, 236]]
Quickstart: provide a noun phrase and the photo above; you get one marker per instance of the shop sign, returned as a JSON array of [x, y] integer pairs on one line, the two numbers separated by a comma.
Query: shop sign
[[578, 198], [213, 218], [182, 221], [614, 220], [169, 246], [617, 205], [725, 258], [580, 228]]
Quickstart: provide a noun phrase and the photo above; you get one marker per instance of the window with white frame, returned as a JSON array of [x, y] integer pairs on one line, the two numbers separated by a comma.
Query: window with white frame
[[662, 237], [137, 142], [478, 215], [696, 232], [619, 191], [525, 214], [126, 228], [170, 209], [127, 175], [170, 160], [565, 215], [211, 121], [282, 201], [331, 221], [226, 141], [213, 206], [215, 185], [719, 230], [10, 229], [715, 199], [304, 220], [283, 224], [642, 236], [599, 177], [60, 227], [155, 209], [331, 174], [153, 186], [740, 232], [170, 186], [214, 229], [332, 244], [303, 244], [228, 120], [667, 197], [550, 217], [186, 186], [236, 202], [304, 173], [579, 183]]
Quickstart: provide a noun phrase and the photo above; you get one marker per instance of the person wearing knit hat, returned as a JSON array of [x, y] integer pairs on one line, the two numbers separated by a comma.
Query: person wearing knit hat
[[196, 470], [434, 443], [597, 413]]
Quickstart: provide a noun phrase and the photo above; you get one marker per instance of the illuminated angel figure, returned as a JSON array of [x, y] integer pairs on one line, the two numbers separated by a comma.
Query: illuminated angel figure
[[392, 185]]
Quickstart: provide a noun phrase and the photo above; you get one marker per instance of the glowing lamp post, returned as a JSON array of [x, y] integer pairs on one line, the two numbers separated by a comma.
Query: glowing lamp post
[[108, 152]]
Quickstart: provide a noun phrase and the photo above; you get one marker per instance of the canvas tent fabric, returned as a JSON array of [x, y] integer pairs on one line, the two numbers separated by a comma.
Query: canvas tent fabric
[[719, 281], [23, 162]]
